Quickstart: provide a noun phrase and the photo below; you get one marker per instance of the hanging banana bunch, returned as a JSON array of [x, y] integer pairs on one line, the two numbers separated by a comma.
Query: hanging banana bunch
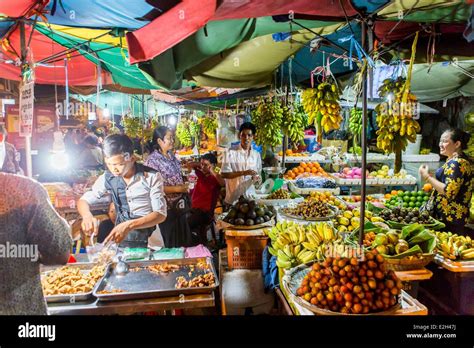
[[183, 134], [293, 124], [355, 121], [209, 126], [194, 129], [394, 118], [322, 106], [268, 117]]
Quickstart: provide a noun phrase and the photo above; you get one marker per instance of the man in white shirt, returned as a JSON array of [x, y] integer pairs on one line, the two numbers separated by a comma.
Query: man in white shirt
[[136, 191], [242, 165]]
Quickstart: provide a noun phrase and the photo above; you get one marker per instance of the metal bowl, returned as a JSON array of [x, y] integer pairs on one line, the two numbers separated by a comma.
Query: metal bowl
[[274, 170]]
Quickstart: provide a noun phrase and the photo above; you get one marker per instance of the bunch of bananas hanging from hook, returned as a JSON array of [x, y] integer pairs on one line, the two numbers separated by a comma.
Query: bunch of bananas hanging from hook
[[294, 122], [395, 116], [323, 102]]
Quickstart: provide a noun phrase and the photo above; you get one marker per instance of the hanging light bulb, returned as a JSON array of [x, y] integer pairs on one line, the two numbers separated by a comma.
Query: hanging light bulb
[[106, 112], [172, 120]]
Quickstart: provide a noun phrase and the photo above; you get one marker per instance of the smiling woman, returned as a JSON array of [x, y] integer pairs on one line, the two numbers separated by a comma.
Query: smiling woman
[[454, 181]]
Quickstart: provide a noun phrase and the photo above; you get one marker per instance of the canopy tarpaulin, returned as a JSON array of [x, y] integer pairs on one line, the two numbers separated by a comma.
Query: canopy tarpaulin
[[81, 71], [252, 63], [125, 14], [443, 80], [189, 16], [111, 52], [168, 68]]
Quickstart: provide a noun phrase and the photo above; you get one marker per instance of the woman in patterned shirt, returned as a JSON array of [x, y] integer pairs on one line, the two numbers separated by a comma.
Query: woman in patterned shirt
[[454, 181], [175, 229]]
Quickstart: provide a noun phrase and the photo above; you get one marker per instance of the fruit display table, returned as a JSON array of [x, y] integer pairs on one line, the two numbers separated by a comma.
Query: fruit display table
[[451, 289], [95, 307], [411, 279]]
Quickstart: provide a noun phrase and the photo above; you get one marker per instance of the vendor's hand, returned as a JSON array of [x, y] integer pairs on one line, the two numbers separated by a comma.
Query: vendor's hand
[[90, 225], [250, 172], [423, 171], [118, 233]]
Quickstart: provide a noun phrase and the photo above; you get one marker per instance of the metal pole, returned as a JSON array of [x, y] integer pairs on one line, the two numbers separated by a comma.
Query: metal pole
[[29, 163], [363, 192]]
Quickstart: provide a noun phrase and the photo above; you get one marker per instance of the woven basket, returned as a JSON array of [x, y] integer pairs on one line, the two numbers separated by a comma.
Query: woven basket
[[407, 264]]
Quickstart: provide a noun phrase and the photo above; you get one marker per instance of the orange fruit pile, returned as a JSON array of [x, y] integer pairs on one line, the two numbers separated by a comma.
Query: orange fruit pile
[[290, 152], [306, 169]]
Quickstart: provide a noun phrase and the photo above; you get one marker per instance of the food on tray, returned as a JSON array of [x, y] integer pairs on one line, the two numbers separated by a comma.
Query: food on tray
[[349, 220], [408, 199], [279, 194], [350, 286], [315, 182], [406, 215], [163, 268], [357, 199], [112, 291], [71, 280], [308, 169], [200, 281], [248, 212], [350, 173], [454, 247], [328, 197], [310, 208]]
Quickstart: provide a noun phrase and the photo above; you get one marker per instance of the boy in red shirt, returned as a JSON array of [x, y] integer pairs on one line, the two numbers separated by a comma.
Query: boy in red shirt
[[205, 193]]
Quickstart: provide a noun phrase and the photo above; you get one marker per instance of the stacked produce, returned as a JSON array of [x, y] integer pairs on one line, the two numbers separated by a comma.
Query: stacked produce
[[412, 241], [355, 121], [306, 169], [293, 123], [349, 220], [248, 213], [279, 194], [395, 118], [357, 199], [406, 215], [268, 117], [315, 183], [329, 198], [350, 173], [454, 247], [291, 153], [309, 209], [348, 285], [294, 244], [322, 106], [413, 199], [386, 173]]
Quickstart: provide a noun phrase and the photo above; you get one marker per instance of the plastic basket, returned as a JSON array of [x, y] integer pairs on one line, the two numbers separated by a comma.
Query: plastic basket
[[245, 252]]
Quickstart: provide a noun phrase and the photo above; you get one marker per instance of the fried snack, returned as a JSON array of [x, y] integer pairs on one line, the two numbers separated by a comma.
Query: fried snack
[[112, 291], [71, 280], [196, 282], [164, 268]]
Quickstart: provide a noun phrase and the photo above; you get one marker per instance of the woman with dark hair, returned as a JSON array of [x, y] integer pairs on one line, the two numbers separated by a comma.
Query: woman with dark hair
[[175, 229], [453, 182]]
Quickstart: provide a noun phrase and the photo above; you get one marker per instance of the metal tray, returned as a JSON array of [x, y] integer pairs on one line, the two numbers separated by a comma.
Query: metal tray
[[145, 284], [325, 218], [71, 298]]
